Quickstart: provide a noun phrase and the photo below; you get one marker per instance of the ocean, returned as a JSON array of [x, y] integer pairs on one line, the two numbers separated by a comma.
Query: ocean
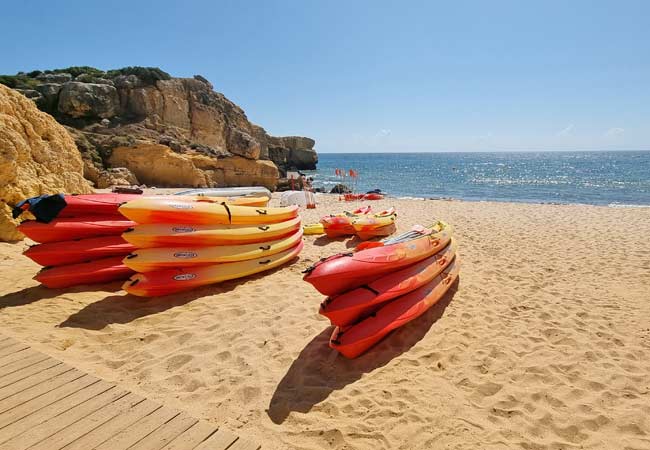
[[620, 178]]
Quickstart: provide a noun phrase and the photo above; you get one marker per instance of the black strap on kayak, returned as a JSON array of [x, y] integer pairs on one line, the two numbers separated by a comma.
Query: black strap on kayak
[[365, 286], [265, 247], [265, 262], [262, 211], [128, 230], [264, 227], [131, 255], [134, 282], [228, 211]]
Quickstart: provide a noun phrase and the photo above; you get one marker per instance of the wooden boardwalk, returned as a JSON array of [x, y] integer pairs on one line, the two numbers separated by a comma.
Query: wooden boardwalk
[[48, 405]]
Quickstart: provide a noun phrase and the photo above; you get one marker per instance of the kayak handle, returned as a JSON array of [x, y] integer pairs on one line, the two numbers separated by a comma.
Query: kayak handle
[[134, 282], [264, 227], [265, 247], [131, 255], [128, 230], [261, 211], [442, 261], [265, 262]]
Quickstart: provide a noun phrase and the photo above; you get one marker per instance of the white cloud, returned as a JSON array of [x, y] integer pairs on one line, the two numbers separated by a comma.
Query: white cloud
[[383, 133], [614, 132], [566, 131]]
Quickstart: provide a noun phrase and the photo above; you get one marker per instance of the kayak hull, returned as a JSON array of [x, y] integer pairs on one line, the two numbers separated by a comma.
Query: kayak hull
[[151, 259], [150, 210], [68, 229], [173, 235], [359, 338], [346, 271], [349, 307], [72, 252], [99, 271], [169, 281]]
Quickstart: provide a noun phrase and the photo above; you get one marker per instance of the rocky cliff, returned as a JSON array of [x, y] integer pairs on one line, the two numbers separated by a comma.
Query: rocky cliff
[[37, 156], [141, 125]]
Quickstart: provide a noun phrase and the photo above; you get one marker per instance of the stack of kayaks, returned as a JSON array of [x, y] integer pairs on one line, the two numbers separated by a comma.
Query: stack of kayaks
[[79, 239], [384, 285], [183, 245], [360, 222]]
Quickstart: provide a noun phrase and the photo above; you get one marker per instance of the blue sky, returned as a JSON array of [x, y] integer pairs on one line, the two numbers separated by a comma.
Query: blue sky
[[374, 76]]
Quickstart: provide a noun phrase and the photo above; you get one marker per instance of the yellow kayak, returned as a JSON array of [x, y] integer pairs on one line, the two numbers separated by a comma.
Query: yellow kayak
[[150, 259], [314, 228], [169, 281], [174, 235], [371, 222], [151, 210]]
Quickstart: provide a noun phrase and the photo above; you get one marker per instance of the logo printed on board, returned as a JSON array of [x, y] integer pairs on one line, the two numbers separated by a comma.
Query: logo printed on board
[[185, 277], [185, 255]]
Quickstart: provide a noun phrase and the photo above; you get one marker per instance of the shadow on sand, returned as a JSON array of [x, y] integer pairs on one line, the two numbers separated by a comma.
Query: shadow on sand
[[319, 370], [127, 308], [39, 292]]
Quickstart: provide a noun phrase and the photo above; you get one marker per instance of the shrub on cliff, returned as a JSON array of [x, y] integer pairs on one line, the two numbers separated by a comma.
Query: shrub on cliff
[[19, 81], [148, 75]]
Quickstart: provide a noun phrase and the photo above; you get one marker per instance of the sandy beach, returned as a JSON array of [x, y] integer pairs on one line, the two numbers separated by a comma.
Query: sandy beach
[[543, 343]]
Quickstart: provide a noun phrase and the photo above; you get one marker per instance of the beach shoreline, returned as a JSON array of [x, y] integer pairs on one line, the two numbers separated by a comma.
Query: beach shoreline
[[543, 342]]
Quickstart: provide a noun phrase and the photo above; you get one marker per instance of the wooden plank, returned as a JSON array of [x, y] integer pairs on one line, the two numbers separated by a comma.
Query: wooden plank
[[69, 422], [38, 390], [37, 378], [166, 434], [113, 405], [28, 371], [17, 347], [192, 437], [46, 399], [244, 444], [13, 367], [111, 428], [139, 430], [48, 412], [220, 440], [16, 356]]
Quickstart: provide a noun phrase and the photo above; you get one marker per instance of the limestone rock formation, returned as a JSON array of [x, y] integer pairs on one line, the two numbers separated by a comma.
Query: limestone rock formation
[[143, 108], [159, 165], [37, 156]]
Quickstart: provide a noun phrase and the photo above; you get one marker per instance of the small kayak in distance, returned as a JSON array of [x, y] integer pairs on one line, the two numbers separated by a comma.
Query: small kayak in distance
[[253, 191], [91, 272], [357, 339], [314, 228], [80, 250]]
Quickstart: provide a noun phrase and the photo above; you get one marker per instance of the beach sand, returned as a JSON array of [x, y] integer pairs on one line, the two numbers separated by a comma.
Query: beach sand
[[543, 343]]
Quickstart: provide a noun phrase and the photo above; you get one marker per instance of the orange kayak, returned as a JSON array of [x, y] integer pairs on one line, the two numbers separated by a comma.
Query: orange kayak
[[72, 252], [91, 272], [169, 281], [336, 225], [357, 339], [349, 307], [345, 271]]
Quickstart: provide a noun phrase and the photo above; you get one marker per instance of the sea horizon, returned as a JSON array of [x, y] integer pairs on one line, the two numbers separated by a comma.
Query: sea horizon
[[594, 177]]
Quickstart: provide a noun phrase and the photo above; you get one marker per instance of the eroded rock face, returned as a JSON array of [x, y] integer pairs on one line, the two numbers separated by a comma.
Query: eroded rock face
[[159, 165], [37, 156], [116, 176], [292, 152], [78, 99]]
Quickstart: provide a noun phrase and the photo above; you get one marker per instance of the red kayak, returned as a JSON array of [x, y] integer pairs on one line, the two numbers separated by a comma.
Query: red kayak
[[95, 204], [356, 304], [98, 271], [71, 252], [358, 338], [346, 271], [68, 229]]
